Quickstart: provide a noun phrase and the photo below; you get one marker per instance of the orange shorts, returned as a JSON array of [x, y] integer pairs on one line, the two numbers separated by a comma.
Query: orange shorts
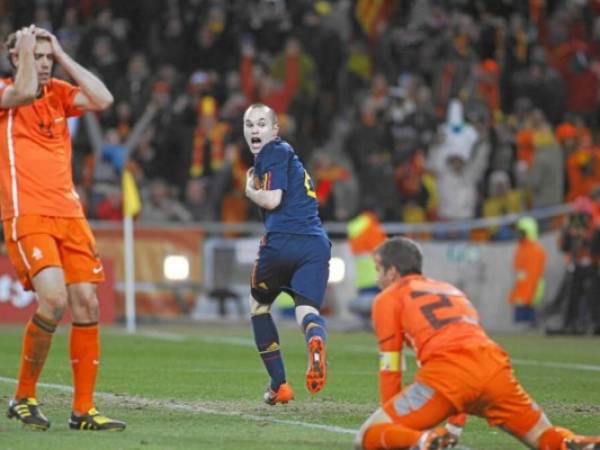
[[477, 380], [36, 242]]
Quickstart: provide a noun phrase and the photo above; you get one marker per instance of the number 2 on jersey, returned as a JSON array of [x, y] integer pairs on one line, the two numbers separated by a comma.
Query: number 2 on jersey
[[308, 184], [428, 310]]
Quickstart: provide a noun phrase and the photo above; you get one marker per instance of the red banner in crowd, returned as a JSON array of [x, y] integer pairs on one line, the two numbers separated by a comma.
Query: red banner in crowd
[[18, 305]]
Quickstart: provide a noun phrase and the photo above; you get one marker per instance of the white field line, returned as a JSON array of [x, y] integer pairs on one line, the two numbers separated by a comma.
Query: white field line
[[244, 342], [199, 409], [192, 408]]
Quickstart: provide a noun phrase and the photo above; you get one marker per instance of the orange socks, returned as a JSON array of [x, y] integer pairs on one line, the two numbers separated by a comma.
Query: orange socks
[[552, 438], [85, 353], [36, 343], [388, 435]]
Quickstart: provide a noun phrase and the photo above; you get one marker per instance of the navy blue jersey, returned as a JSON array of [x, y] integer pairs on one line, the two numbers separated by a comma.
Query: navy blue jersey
[[277, 167]]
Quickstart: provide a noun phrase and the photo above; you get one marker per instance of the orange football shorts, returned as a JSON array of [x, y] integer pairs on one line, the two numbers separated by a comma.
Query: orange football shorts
[[476, 379], [479, 380], [35, 242]]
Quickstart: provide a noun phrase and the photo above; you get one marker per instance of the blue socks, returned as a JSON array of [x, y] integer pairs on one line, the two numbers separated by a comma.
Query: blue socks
[[314, 325], [267, 343]]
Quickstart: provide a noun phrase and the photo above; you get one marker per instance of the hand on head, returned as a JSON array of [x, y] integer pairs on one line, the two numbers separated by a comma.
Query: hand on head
[[25, 39], [42, 32]]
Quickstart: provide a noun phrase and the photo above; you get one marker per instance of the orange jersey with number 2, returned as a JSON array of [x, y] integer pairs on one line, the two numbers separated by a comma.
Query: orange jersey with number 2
[[456, 357], [417, 310]]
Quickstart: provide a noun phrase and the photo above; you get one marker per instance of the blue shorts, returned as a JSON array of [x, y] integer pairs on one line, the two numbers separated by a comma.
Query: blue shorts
[[294, 263]]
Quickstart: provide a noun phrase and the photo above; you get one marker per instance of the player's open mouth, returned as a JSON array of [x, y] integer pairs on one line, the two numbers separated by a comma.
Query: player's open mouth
[[255, 140]]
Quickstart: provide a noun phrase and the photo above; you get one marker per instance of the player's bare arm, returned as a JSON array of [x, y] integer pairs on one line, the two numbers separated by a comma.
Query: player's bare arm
[[94, 94], [264, 198], [24, 89]]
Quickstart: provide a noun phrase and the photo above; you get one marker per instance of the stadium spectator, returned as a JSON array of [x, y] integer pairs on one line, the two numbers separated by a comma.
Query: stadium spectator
[[260, 86], [409, 60], [327, 174], [110, 206], [501, 200], [369, 146], [135, 87], [51, 246], [583, 171], [160, 204], [460, 370], [293, 255], [458, 161], [198, 200], [546, 174], [344, 193]]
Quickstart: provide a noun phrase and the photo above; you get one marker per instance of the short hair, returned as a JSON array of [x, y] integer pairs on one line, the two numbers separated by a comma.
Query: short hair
[[268, 108], [11, 41], [402, 253]]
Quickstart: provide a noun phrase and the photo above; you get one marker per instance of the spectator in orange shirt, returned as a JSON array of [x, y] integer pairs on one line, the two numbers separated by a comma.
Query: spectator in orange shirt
[[49, 241], [461, 370], [529, 263], [583, 172]]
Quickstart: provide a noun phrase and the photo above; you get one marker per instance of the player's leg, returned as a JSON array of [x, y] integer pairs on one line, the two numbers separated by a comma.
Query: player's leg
[[83, 269], [514, 411], [308, 285], [315, 334], [544, 436], [36, 259], [84, 349], [264, 289], [406, 422]]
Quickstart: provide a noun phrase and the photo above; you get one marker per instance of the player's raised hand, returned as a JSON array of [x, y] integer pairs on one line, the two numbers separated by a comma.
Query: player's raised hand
[[25, 39], [56, 47]]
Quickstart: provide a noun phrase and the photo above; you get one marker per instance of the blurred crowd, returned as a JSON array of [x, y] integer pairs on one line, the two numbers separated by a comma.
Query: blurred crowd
[[417, 110]]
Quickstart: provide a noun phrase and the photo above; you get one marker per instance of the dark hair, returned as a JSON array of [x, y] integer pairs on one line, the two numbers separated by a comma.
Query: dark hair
[[402, 253]]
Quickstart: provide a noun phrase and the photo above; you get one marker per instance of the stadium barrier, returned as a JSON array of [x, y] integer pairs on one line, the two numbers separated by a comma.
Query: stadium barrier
[[201, 271]]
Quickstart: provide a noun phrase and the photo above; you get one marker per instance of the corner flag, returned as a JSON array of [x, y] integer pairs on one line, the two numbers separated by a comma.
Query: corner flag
[[131, 197]]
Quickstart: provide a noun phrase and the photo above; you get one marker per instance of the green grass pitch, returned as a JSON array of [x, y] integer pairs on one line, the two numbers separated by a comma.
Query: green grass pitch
[[200, 387]]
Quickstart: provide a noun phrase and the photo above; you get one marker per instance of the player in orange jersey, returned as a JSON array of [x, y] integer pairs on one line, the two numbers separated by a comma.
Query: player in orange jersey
[[461, 370], [48, 239]]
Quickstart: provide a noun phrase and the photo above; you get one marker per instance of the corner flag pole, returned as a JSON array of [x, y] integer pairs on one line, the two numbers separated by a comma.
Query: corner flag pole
[[131, 206]]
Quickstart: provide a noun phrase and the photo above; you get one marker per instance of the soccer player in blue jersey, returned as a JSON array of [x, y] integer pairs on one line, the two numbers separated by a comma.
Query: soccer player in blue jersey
[[293, 255]]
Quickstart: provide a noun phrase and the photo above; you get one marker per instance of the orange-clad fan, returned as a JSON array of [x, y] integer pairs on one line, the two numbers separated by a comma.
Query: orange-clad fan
[[583, 172], [48, 239], [461, 370]]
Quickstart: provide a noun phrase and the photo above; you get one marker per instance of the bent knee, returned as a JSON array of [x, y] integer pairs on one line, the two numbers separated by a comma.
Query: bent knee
[[379, 416], [257, 308]]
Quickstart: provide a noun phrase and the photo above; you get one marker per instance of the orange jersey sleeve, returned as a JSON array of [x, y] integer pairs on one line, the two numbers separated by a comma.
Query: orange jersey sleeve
[[390, 340], [35, 155]]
